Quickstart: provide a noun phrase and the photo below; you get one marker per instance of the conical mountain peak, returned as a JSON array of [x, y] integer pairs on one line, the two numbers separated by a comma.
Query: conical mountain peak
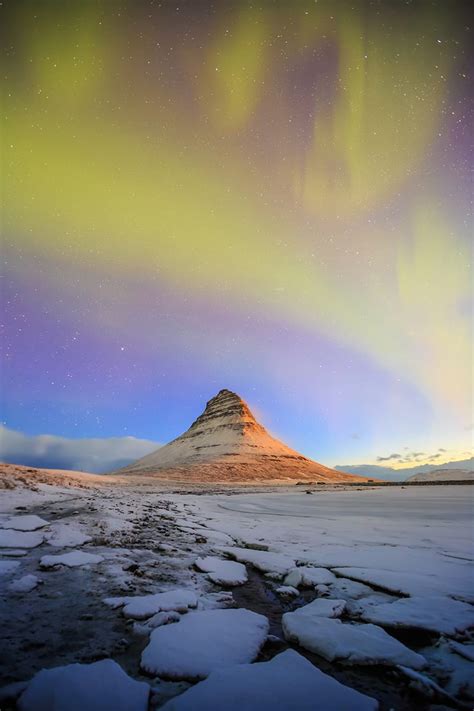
[[226, 443], [224, 410]]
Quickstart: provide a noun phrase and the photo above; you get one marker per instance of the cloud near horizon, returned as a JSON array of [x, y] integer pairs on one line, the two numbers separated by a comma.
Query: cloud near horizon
[[90, 455], [395, 455]]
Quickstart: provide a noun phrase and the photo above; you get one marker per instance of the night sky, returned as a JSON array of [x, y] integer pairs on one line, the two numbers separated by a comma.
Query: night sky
[[270, 197]]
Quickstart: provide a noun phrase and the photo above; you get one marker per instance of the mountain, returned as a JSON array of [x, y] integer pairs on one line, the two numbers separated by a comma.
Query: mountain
[[227, 444], [392, 474], [444, 475]]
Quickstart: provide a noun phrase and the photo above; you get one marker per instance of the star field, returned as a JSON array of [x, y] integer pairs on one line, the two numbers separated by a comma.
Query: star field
[[272, 197]]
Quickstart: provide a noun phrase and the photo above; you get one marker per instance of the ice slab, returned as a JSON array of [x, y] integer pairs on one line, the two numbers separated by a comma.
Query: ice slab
[[138, 608], [72, 560], [286, 683], [223, 572], [101, 686], [351, 644], [411, 582], [161, 618], [28, 522], [204, 641], [436, 613], [24, 584], [266, 561], [322, 607], [20, 539], [305, 576], [63, 535]]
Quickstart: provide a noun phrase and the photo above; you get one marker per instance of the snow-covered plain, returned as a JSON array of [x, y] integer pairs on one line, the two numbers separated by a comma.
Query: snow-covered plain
[[350, 577]]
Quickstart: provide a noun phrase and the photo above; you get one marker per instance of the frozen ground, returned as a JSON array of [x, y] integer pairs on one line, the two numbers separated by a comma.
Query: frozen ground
[[396, 562]]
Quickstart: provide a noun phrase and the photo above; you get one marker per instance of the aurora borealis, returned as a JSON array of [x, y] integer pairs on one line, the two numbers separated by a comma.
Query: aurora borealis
[[271, 197]]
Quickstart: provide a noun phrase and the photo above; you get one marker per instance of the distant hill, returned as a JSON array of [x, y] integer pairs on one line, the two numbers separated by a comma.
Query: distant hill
[[391, 474], [444, 475]]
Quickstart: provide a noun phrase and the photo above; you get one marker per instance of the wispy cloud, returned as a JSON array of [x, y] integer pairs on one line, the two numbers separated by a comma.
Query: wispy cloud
[[91, 455], [395, 455]]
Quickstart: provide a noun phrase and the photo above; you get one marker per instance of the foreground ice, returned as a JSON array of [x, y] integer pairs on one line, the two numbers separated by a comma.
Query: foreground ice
[[24, 523], [24, 584], [305, 576], [8, 566], [452, 662], [144, 606], [268, 562], [286, 683], [415, 541], [322, 607], [71, 560], [102, 686], [161, 618], [204, 641], [348, 643], [10, 538], [412, 582], [222, 572], [437, 614], [65, 535]]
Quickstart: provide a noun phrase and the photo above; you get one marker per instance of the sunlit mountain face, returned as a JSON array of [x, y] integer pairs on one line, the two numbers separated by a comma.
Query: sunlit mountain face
[[269, 197]]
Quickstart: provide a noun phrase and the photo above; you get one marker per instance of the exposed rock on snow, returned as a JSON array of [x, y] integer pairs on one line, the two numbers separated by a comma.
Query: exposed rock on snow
[[24, 584], [351, 644], [438, 614], [144, 606], [287, 590], [286, 683], [20, 539], [203, 641], [309, 577], [222, 572], [24, 523], [102, 686], [72, 560]]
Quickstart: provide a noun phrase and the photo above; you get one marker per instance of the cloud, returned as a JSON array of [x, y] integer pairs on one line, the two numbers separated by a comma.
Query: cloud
[[395, 455], [90, 455], [441, 449]]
